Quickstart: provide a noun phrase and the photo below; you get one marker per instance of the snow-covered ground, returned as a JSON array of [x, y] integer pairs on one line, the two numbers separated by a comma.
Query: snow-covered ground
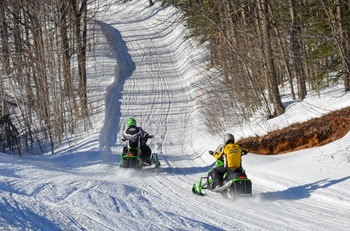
[[149, 72]]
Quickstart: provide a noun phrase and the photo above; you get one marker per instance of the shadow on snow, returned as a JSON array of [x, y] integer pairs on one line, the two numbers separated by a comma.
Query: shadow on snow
[[123, 70], [21, 217], [300, 192]]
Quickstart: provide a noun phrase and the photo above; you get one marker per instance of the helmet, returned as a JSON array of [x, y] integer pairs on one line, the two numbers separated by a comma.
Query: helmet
[[131, 121], [229, 138]]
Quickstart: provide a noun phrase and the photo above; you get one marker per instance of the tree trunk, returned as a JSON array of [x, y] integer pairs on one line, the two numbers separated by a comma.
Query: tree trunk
[[84, 44], [343, 46], [81, 52], [271, 71], [5, 54], [286, 62], [64, 41], [339, 34], [296, 51]]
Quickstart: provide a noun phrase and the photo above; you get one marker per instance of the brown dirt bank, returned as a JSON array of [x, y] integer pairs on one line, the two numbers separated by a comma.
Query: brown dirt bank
[[315, 132]]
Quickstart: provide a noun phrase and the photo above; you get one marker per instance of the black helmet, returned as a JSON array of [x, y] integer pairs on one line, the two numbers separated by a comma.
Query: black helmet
[[229, 138]]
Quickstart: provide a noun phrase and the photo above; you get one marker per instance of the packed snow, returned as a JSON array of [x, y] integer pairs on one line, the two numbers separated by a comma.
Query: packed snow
[[149, 71]]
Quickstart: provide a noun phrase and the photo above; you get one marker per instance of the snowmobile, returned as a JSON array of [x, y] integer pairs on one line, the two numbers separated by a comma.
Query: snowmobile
[[134, 158], [235, 184]]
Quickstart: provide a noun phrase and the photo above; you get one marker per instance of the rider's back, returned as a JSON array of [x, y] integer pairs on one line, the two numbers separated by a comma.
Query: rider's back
[[133, 134], [233, 154]]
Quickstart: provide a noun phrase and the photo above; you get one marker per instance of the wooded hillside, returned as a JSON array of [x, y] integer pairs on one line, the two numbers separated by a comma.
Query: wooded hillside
[[256, 48], [43, 88], [259, 46]]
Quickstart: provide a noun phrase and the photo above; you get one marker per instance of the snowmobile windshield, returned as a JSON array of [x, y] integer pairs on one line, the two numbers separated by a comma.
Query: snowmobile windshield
[[219, 163]]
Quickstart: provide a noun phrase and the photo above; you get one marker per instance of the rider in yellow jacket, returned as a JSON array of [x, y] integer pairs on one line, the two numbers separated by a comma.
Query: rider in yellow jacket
[[229, 156]]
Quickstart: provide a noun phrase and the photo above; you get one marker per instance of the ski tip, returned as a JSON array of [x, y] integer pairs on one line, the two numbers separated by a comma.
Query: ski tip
[[196, 191]]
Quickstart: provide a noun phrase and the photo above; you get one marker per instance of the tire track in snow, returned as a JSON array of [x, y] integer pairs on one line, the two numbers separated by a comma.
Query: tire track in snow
[[171, 93], [166, 103], [304, 210], [159, 65]]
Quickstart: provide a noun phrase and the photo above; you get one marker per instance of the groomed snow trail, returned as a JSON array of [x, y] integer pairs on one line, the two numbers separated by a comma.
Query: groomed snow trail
[[159, 96], [155, 77]]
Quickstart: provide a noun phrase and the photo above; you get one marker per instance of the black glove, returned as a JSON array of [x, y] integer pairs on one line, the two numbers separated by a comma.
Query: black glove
[[211, 152]]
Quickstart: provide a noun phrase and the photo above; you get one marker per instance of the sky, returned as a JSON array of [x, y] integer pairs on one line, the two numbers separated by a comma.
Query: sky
[[147, 70]]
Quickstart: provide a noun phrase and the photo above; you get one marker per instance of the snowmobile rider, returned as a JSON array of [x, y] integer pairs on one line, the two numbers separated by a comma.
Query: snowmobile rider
[[229, 157], [137, 138]]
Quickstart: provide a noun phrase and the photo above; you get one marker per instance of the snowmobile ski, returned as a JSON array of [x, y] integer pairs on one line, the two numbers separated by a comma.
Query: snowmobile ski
[[155, 160], [197, 190]]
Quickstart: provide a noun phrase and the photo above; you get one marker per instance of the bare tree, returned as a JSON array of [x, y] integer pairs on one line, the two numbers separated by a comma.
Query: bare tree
[[343, 41], [270, 66], [296, 51], [39, 43], [63, 9], [77, 15]]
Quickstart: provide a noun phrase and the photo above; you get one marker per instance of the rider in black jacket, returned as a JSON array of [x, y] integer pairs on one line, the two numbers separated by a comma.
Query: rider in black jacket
[[137, 138]]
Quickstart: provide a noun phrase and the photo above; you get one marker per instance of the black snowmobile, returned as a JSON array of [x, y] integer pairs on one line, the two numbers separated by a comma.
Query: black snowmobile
[[235, 183], [134, 156]]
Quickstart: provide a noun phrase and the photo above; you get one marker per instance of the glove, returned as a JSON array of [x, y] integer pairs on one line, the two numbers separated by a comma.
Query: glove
[[211, 152]]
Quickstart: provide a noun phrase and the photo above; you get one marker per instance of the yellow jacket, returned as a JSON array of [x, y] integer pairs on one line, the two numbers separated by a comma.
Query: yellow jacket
[[231, 155]]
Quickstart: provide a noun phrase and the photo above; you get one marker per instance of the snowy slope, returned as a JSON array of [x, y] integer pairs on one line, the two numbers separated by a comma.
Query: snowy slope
[[152, 74]]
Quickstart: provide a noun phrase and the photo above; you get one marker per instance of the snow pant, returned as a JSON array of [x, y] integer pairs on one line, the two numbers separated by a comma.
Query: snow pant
[[217, 175], [146, 154]]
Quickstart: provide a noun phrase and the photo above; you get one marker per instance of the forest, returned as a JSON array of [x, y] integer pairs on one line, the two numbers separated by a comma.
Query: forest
[[256, 47], [43, 91], [259, 46]]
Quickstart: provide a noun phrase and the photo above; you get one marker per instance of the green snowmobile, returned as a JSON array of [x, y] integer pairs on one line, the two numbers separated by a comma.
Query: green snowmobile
[[235, 183], [134, 158]]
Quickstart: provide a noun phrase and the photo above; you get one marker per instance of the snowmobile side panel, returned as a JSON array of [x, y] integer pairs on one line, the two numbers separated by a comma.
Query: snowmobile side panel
[[224, 187]]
